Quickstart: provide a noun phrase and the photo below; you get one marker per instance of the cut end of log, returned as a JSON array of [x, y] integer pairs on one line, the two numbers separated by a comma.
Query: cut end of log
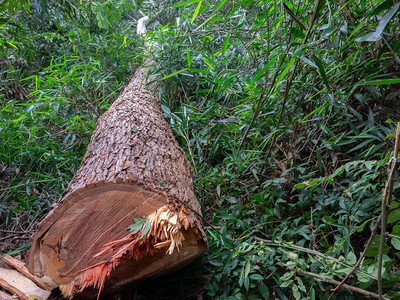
[[164, 230], [89, 247]]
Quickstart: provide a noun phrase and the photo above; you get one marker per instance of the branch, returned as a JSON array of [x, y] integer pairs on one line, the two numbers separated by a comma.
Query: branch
[[346, 286], [309, 251]]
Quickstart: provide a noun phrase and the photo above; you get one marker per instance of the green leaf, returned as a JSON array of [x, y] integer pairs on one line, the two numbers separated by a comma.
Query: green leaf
[[200, 71], [381, 82], [264, 291], [264, 69], [136, 226], [394, 216], [256, 277], [247, 269], [220, 5], [297, 32], [396, 243], [146, 229], [381, 7], [188, 57], [351, 258], [196, 11], [283, 74], [321, 70], [226, 43], [377, 34], [185, 3], [173, 74]]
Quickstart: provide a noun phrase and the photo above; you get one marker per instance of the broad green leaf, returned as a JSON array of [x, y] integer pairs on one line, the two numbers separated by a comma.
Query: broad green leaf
[[173, 74], [351, 258], [396, 243], [394, 216], [196, 11], [256, 277], [247, 269]]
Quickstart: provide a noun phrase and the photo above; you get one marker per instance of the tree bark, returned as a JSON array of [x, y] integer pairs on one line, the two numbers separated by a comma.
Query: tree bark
[[133, 168]]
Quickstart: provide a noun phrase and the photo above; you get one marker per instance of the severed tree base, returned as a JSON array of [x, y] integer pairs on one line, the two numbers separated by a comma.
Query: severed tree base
[[84, 242]]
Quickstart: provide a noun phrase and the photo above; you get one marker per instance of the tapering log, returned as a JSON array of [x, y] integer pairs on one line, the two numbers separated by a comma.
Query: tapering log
[[133, 168]]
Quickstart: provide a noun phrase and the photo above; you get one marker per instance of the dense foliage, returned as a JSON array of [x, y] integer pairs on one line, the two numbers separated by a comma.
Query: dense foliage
[[286, 110]]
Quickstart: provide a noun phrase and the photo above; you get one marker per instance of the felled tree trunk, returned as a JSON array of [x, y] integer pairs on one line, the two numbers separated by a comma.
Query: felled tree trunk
[[133, 168]]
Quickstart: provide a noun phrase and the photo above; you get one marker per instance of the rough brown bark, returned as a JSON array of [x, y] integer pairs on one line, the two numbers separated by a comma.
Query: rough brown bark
[[133, 166]]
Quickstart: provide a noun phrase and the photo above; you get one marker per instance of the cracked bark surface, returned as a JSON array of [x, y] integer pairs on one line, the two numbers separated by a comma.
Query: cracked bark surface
[[132, 167]]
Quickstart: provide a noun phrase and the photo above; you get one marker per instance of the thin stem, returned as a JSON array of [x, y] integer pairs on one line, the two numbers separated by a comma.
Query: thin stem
[[387, 196]]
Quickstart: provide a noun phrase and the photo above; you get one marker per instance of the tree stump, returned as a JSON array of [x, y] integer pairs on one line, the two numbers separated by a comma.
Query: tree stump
[[133, 168]]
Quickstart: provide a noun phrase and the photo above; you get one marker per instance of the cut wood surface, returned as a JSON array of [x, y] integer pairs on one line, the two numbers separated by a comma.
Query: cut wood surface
[[133, 168], [23, 287], [44, 282]]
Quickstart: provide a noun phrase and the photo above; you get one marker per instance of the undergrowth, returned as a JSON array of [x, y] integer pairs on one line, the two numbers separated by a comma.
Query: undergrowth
[[286, 110]]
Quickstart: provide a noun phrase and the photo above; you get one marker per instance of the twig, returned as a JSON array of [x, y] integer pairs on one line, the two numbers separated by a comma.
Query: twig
[[346, 286], [309, 251], [387, 196], [390, 48], [295, 18], [313, 231]]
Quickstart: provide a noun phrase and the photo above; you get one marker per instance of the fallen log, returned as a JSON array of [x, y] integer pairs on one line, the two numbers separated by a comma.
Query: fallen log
[[133, 168]]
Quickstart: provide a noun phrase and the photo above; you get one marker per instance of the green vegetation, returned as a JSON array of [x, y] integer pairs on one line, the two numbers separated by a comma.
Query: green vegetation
[[286, 109]]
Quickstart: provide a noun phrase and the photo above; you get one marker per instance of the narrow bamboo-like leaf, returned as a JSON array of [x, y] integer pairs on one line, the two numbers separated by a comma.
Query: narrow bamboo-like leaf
[[209, 64], [220, 5], [189, 58], [200, 71], [381, 7], [386, 18], [263, 70], [321, 70], [382, 82], [173, 74], [283, 74], [196, 11], [185, 3], [376, 35], [226, 43], [227, 82], [205, 22], [307, 61]]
